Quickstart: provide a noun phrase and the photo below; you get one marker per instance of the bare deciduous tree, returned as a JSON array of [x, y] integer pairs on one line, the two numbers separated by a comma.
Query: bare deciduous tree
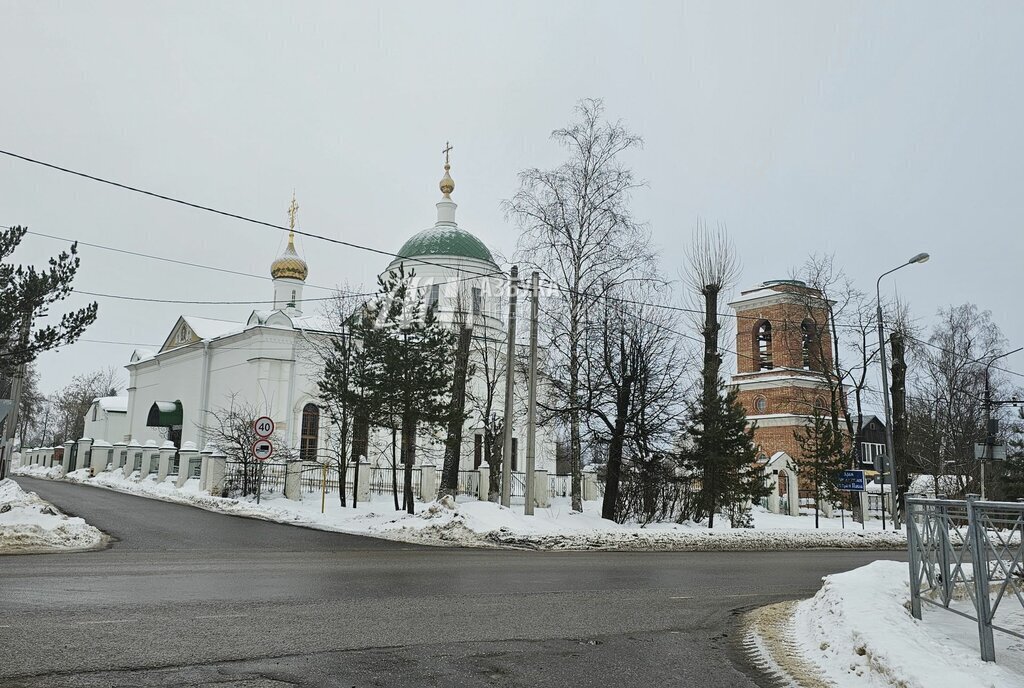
[[578, 231]]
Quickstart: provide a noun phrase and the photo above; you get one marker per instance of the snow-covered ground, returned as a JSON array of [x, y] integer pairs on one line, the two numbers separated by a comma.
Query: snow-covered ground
[[30, 525], [469, 522], [857, 632]]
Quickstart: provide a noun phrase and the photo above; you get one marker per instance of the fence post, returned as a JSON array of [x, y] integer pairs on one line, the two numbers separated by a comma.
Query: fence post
[[216, 467], [483, 487], [186, 456], [204, 465], [65, 465], [914, 550], [167, 452], [541, 488], [428, 481], [365, 477], [590, 483], [293, 480], [979, 562]]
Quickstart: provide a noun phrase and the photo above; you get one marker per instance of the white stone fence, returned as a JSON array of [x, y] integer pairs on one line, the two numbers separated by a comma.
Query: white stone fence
[[210, 469]]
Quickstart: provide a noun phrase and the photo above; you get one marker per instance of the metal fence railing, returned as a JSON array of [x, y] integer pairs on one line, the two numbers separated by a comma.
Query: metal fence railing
[[967, 550]]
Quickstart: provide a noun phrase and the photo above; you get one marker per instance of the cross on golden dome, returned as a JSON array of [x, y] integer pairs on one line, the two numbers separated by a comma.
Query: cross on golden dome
[[447, 183]]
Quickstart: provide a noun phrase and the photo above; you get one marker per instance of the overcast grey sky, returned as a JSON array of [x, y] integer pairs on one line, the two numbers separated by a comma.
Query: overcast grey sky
[[871, 130]]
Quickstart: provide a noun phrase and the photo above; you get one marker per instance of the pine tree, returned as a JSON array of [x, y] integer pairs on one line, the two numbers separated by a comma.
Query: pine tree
[[403, 365], [722, 452], [822, 457]]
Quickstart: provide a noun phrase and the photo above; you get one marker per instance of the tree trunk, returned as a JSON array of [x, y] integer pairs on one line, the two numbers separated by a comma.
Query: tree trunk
[[394, 468], [899, 421], [360, 448], [611, 491], [456, 418], [492, 445], [709, 390], [575, 448], [408, 458]]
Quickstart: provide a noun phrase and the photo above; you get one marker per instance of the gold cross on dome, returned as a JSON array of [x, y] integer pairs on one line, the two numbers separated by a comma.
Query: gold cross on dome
[[293, 210], [447, 149]]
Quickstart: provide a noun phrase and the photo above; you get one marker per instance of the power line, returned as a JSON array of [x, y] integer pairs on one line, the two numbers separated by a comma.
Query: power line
[[223, 213], [350, 244]]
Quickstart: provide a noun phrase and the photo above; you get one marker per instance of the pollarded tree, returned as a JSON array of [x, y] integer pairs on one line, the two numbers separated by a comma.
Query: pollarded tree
[[403, 365], [720, 450], [578, 231]]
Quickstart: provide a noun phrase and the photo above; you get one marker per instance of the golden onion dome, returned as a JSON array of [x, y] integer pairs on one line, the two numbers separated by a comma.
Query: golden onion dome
[[289, 265]]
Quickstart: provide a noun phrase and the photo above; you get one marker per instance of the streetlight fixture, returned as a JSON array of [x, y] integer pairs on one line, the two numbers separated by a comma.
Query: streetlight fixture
[[919, 258]]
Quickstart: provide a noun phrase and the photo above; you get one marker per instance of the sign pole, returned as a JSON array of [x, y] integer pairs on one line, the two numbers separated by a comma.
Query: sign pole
[[323, 488]]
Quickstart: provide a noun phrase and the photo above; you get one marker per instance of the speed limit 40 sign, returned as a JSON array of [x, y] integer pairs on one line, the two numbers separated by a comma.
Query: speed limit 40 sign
[[262, 450], [263, 426]]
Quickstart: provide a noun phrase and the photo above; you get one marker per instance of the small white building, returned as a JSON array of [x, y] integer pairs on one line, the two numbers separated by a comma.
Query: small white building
[[268, 360], [107, 419]]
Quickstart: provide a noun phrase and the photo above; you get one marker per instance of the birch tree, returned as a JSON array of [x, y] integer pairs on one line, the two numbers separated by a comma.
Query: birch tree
[[578, 231]]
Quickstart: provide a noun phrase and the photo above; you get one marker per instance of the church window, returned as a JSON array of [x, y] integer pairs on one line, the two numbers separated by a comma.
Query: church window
[[292, 303], [763, 340], [515, 454], [478, 301], [183, 334], [808, 334], [819, 405], [95, 409], [478, 450], [760, 404], [310, 436], [435, 296]]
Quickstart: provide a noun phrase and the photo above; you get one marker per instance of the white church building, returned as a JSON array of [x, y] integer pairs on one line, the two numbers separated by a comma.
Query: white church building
[[268, 360]]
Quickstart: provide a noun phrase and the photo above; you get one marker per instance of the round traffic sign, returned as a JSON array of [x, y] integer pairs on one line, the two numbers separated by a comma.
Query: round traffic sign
[[263, 426], [262, 450]]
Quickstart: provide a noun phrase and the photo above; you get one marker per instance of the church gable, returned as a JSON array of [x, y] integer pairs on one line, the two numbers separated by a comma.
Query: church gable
[[181, 335]]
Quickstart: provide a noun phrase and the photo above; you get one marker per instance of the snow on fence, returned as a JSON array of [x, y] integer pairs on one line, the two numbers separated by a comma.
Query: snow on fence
[[964, 550]]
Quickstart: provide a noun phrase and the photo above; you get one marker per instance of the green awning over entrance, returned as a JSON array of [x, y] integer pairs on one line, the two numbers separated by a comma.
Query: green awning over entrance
[[164, 414]]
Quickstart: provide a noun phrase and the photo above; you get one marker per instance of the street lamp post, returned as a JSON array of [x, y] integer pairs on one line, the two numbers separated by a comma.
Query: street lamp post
[[919, 258]]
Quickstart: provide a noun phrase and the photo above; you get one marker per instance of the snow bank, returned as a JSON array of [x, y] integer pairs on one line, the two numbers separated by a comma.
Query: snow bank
[[857, 631], [28, 525], [472, 523]]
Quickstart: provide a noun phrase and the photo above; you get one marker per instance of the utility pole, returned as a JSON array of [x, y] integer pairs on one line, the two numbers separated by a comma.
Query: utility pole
[[531, 407], [990, 433], [510, 357]]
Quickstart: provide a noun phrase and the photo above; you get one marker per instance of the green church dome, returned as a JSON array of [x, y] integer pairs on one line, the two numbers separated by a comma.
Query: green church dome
[[445, 241]]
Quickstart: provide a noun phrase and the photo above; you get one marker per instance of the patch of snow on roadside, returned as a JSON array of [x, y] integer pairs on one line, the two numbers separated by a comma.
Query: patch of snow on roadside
[[29, 524], [858, 630]]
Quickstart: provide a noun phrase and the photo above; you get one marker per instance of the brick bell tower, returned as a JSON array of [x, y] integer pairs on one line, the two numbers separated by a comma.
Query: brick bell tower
[[783, 342]]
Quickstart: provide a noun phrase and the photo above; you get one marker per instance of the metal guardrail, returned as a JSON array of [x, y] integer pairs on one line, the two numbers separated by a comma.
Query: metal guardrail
[[969, 548]]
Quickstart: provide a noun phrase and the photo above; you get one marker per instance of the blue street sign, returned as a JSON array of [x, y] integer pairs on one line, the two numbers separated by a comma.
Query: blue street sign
[[850, 481]]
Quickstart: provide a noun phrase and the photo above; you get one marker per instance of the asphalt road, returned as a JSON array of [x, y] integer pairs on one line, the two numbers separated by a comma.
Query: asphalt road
[[188, 597]]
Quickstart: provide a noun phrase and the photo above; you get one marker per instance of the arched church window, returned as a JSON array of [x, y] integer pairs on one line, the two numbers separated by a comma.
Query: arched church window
[[292, 303], [763, 342], [808, 335], [310, 436], [95, 409], [760, 404], [819, 405]]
